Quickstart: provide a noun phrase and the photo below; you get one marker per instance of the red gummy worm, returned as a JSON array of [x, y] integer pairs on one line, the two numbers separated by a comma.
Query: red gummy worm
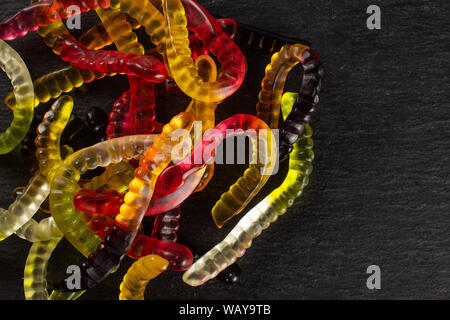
[[173, 177], [179, 256], [166, 225], [142, 106], [98, 201], [146, 67], [43, 13], [198, 48], [119, 118], [210, 32]]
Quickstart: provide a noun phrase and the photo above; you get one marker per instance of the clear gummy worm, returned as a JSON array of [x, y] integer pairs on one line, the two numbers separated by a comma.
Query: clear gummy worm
[[16, 70], [34, 280], [48, 154]]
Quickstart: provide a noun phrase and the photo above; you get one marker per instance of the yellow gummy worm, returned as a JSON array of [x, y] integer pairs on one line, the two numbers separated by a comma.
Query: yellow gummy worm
[[65, 184], [120, 30], [205, 111], [247, 187], [55, 83], [156, 158], [34, 280], [17, 71], [258, 218], [96, 37], [147, 15], [181, 65], [272, 85], [139, 275], [48, 153]]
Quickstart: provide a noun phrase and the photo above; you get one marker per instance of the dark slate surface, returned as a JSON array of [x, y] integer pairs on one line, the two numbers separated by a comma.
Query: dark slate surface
[[380, 190]]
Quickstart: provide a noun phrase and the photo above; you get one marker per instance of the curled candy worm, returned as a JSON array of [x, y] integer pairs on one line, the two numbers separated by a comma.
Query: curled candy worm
[[139, 275], [258, 218], [147, 15], [65, 184], [17, 71], [48, 154], [272, 85], [178, 181], [205, 111], [143, 101], [304, 107], [216, 40], [112, 250]]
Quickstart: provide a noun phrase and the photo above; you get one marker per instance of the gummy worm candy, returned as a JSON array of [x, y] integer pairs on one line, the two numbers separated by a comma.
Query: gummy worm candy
[[166, 225], [53, 84], [65, 184], [118, 125], [258, 218], [17, 71], [48, 154], [139, 275], [179, 54], [304, 107], [145, 67], [116, 24], [142, 105], [197, 47], [44, 230], [96, 37], [235, 200], [42, 14], [205, 111], [142, 100], [180, 258], [116, 177], [146, 15], [112, 250], [177, 182], [34, 281], [282, 62]]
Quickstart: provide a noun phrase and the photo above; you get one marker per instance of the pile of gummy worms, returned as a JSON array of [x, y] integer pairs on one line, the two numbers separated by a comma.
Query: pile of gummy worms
[[102, 217]]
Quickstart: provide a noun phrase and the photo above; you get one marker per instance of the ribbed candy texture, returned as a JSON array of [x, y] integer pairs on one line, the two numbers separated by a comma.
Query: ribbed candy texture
[[258, 218], [48, 153], [139, 275]]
